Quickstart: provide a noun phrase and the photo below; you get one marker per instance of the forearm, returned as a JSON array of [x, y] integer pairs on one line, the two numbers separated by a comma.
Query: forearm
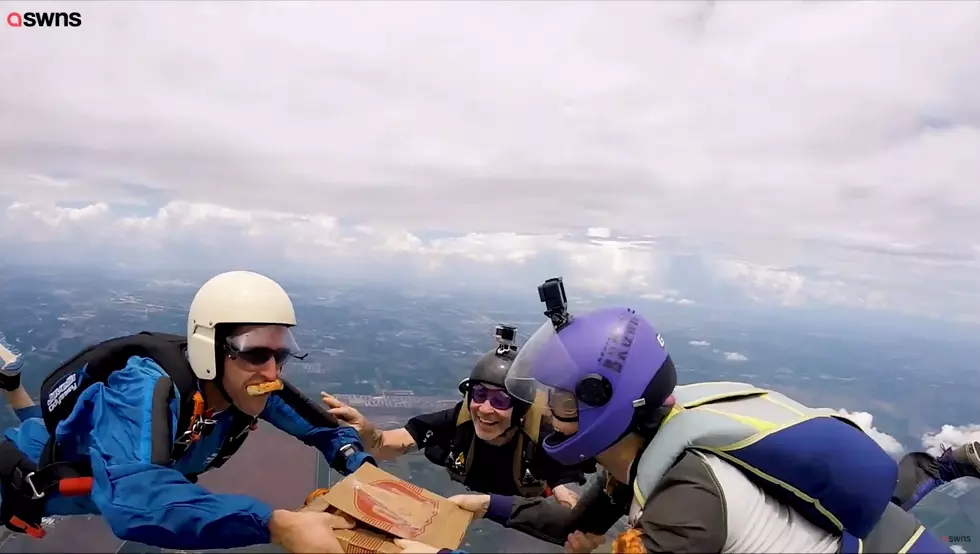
[[548, 520], [388, 445], [157, 506], [296, 415]]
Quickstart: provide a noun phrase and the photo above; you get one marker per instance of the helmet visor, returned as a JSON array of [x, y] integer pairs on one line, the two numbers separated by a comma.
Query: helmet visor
[[545, 373], [256, 344]]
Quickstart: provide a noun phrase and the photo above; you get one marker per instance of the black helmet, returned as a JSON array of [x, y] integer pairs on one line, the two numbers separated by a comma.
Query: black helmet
[[491, 368]]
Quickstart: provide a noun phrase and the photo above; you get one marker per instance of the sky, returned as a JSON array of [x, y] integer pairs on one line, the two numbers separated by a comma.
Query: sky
[[784, 154]]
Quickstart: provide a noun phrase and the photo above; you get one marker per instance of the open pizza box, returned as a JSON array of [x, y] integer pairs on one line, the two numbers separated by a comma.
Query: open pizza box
[[385, 507]]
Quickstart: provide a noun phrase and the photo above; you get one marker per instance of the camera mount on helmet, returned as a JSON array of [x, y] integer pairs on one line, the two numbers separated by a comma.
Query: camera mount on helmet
[[506, 337], [552, 293]]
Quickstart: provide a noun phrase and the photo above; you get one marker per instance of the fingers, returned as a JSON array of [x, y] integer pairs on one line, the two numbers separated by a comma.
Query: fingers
[[338, 522], [414, 547], [579, 542], [348, 415], [340, 410], [568, 502], [596, 540], [464, 501], [476, 503], [329, 400]]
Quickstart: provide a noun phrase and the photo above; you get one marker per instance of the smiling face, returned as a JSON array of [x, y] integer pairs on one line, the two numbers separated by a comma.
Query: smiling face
[[254, 355], [491, 410]]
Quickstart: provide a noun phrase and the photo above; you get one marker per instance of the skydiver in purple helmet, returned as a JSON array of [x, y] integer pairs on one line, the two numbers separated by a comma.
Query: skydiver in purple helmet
[[704, 467]]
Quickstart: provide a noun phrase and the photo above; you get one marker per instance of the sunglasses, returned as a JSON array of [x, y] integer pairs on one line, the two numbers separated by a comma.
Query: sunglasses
[[499, 399], [260, 355]]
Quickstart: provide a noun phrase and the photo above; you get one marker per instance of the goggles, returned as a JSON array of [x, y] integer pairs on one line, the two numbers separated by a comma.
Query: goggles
[[498, 398], [259, 344]]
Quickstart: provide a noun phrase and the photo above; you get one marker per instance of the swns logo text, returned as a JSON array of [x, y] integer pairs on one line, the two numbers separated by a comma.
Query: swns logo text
[[44, 19]]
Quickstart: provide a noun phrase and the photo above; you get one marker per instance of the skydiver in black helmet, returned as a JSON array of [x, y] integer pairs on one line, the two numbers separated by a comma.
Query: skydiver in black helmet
[[487, 442]]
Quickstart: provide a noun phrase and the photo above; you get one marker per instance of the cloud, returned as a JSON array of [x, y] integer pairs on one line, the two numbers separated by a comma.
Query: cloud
[[932, 443], [699, 343], [887, 442], [669, 296], [599, 266], [734, 357], [807, 152], [950, 436]]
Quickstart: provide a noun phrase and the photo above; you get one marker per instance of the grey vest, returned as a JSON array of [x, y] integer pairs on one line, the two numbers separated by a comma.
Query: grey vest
[[727, 419]]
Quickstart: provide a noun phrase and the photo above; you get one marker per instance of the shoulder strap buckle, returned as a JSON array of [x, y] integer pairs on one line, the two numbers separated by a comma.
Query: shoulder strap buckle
[[200, 426], [528, 479], [200, 422], [35, 494]]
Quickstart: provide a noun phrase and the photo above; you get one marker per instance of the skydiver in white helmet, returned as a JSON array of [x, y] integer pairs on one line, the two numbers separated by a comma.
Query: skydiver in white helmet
[[125, 428]]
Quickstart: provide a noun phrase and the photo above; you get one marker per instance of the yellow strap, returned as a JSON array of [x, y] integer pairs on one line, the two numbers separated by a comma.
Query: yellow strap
[[518, 461], [911, 541], [464, 411], [532, 419]]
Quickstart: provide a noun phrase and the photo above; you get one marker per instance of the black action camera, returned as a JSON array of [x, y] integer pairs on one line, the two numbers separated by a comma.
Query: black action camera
[[552, 293]]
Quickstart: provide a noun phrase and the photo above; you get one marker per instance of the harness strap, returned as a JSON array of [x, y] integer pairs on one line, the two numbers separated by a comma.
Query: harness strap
[[238, 431], [26, 485], [198, 424], [25, 488]]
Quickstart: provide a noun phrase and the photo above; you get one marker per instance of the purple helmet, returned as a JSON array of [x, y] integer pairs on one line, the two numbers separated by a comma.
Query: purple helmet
[[600, 368]]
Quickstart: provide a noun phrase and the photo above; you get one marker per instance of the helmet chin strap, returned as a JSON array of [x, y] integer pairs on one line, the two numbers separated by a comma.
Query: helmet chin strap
[[219, 378], [221, 387], [217, 385]]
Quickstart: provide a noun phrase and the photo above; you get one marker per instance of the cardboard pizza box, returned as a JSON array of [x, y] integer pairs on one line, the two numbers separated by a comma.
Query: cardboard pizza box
[[384, 507]]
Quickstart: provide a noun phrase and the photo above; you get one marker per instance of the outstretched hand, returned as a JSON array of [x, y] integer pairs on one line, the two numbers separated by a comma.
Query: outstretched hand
[[350, 416], [476, 503]]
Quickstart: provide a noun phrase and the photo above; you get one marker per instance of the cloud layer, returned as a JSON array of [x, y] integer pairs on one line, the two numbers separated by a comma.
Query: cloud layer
[[800, 152], [949, 436], [887, 442]]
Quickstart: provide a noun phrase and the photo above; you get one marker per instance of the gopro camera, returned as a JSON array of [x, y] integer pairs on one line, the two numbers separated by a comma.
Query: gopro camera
[[552, 293], [506, 337], [505, 334]]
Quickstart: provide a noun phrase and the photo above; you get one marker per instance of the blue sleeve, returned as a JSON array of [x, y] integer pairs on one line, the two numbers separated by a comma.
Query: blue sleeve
[[500, 508], [328, 440], [142, 501]]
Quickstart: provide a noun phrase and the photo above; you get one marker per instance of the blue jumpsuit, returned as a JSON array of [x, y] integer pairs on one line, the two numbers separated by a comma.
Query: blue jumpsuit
[[110, 425]]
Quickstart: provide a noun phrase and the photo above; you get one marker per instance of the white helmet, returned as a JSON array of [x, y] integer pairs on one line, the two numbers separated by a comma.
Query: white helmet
[[241, 297]]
